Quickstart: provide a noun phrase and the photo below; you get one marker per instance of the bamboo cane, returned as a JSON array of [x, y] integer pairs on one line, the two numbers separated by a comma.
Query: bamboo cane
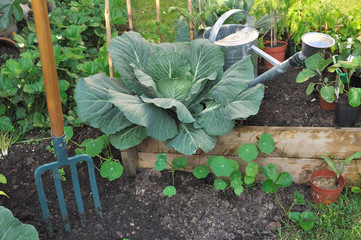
[[130, 15], [200, 6], [191, 30], [109, 36], [157, 3]]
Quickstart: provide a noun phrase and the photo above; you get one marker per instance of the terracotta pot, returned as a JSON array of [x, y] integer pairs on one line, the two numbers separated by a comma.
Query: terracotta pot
[[11, 44], [325, 196], [276, 52], [326, 105]]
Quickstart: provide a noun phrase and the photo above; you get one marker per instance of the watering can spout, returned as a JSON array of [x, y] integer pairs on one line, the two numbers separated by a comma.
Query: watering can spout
[[311, 43]]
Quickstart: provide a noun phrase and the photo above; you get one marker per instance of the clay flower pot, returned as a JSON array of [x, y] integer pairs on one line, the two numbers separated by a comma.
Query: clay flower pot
[[325, 196], [276, 52]]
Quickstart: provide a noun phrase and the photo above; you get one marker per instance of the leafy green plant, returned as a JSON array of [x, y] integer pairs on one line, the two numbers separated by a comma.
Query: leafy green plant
[[314, 67], [3, 181], [227, 170], [8, 134], [273, 182], [62, 174], [10, 9], [161, 164], [338, 169], [173, 92]]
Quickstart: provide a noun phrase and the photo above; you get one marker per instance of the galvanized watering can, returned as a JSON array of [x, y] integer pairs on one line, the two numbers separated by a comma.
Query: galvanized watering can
[[239, 41]]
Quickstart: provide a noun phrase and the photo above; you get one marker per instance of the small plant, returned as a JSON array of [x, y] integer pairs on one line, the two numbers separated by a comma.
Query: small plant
[[161, 164], [284, 179], [338, 169], [3, 181], [62, 174], [227, 170]]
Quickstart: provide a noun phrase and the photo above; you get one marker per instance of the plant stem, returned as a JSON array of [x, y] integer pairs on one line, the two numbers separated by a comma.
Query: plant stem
[[173, 171], [281, 204]]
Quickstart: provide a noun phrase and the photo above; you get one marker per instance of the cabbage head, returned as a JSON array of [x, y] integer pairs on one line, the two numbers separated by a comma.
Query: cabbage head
[[174, 92]]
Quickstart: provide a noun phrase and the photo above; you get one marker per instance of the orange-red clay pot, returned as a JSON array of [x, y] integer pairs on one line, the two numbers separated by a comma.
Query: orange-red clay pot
[[326, 105], [276, 52], [325, 196]]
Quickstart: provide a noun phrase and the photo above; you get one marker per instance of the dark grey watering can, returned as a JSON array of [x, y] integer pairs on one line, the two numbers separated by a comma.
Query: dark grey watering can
[[239, 41]]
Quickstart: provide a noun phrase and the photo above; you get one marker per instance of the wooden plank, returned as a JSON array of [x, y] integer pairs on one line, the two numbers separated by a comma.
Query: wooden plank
[[299, 168], [292, 142], [130, 160]]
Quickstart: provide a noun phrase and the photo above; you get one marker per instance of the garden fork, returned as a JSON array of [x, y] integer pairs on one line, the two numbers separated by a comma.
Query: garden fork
[[57, 128]]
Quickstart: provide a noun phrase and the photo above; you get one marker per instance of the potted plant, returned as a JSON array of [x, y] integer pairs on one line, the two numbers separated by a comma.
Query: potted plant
[[274, 47], [327, 184], [314, 67]]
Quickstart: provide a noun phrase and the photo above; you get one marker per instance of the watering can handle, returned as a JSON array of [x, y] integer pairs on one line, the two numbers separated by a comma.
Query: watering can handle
[[220, 21], [48, 67]]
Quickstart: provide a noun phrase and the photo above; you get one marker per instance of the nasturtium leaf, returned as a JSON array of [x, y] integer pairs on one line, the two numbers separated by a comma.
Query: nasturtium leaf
[[201, 172], [79, 151], [94, 147], [161, 162], [266, 143], [179, 162], [2, 179], [269, 187], [210, 160], [220, 184], [298, 198], [235, 174], [12, 228], [236, 183], [270, 171], [68, 133], [248, 152], [105, 140], [169, 191], [252, 169], [249, 179], [111, 170], [222, 166], [238, 190], [284, 179]]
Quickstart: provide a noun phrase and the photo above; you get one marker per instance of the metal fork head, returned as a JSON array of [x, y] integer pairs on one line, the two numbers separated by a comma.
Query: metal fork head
[[64, 161]]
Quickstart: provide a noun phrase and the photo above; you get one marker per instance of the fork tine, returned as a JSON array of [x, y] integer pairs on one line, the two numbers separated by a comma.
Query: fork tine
[[42, 199], [59, 192], [79, 200]]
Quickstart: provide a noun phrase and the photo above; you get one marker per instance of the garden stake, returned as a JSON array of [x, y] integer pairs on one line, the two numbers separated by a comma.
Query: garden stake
[[57, 128]]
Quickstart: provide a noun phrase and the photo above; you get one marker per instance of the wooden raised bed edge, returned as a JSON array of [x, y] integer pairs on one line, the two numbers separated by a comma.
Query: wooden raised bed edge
[[297, 150]]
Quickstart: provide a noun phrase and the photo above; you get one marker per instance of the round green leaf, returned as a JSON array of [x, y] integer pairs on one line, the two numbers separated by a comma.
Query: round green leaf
[[111, 170], [252, 169], [248, 152], [235, 183], [169, 191], [269, 187], [235, 174], [266, 143], [354, 97], [249, 180], [68, 133], [238, 191], [220, 184], [161, 162], [201, 172], [328, 93], [94, 147], [179, 162], [284, 179], [222, 166]]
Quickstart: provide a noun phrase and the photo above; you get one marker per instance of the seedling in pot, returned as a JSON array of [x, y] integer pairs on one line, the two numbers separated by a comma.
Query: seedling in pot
[[227, 170], [338, 169], [161, 164], [284, 179]]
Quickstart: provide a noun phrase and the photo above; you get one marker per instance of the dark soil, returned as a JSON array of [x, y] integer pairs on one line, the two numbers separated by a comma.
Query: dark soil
[[134, 207], [7, 51]]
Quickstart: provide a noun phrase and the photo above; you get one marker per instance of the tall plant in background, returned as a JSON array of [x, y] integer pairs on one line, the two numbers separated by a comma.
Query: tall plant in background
[[176, 92]]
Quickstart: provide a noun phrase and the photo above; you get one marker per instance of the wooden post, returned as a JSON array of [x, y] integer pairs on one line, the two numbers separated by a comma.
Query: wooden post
[[200, 5], [109, 36], [157, 2], [130, 15], [130, 159], [191, 30]]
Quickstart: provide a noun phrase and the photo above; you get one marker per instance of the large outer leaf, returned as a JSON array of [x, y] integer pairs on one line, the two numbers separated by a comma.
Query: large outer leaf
[[12, 228], [183, 113], [205, 58], [245, 104], [93, 105], [172, 65], [234, 81], [158, 122], [129, 49], [128, 137], [213, 120], [190, 139]]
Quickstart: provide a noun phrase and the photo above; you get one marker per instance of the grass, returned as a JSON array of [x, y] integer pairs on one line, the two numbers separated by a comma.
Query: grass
[[145, 19], [336, 221]]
